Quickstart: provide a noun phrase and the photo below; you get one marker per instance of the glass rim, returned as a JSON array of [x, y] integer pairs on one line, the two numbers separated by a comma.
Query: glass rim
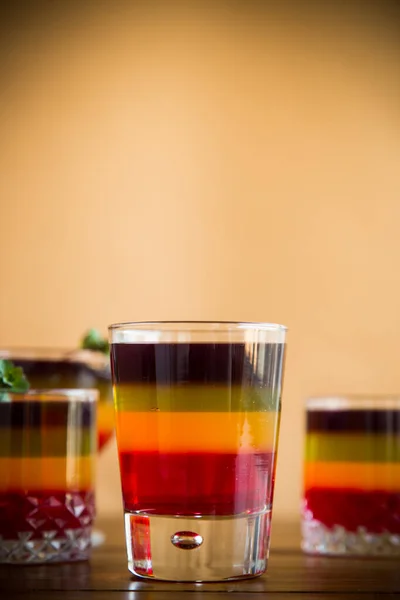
[[352, 401], [203, 325], [55, 395], [95, 361], [49, 353]]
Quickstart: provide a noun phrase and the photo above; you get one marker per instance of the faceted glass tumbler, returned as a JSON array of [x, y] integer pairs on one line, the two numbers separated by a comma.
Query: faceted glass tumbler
[[47, 469], [351, 503], [197, 422]]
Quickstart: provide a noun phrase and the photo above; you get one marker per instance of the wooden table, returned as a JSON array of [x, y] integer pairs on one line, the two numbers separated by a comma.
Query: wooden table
[[291, 575]]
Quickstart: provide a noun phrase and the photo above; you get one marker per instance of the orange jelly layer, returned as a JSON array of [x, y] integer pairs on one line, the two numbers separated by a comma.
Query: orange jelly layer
[[352, 475], [105, 423], [58, 473], [171, 432]]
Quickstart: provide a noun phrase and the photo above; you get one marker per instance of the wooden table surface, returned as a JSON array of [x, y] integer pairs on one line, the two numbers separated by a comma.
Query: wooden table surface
[[290, 575]]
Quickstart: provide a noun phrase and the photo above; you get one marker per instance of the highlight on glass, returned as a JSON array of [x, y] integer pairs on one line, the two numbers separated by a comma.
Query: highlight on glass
[[47, 475], [197, 421], [351, 503]]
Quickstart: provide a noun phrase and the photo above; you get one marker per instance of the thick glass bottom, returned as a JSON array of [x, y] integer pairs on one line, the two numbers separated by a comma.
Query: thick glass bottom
[[338, 541], [50, 547], [201, 548]]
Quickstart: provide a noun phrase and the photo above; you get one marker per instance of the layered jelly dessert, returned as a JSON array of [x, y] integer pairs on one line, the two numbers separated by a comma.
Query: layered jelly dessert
[[47, 461], [79, 369], [352, 478], [197, 426]]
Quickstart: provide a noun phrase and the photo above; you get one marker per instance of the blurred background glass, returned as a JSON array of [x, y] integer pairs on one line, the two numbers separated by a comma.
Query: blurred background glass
[[47, 475], [351, 501], [222, 161]]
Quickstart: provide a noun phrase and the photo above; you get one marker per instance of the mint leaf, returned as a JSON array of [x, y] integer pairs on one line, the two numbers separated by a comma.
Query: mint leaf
[[12, 378], [93, 340]]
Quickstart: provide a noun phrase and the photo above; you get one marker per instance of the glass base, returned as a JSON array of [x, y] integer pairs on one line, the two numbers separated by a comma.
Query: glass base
[[49, 548], [204, 548], [318, 539]]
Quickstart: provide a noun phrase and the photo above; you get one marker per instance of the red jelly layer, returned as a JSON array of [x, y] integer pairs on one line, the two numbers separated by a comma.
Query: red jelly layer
[[376, 511], [39, 512], [197, 483], [102, 438]]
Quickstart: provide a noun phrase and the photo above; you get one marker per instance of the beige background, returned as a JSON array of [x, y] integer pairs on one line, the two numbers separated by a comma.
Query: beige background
[[167, 163]]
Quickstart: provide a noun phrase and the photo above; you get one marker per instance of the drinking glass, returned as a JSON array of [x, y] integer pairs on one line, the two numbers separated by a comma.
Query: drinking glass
[[351, 502], [47, 368], [197, 421], [47, 470]]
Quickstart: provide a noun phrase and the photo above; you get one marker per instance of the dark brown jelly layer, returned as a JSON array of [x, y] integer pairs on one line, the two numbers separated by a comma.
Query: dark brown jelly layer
[[368, 421], [222, 364], [45, 415]]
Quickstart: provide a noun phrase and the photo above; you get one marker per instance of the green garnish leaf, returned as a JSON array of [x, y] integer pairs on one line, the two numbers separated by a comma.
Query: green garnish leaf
[[12, 378], [93, 340]]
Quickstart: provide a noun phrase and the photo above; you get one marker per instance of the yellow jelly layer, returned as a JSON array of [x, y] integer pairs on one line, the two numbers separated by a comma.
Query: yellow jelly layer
[[352, 447], [61, 473], [46, 442], [197, 431], [352, 475], [195, 398]]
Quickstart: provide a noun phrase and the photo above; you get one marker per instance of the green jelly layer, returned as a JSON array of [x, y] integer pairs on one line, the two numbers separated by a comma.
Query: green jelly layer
[[352, 447], [49, 442], [198, 398]]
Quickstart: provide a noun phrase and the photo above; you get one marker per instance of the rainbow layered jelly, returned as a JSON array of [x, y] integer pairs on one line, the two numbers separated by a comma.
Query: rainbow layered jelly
[[352, 480], [197, 426], [47, 460]]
